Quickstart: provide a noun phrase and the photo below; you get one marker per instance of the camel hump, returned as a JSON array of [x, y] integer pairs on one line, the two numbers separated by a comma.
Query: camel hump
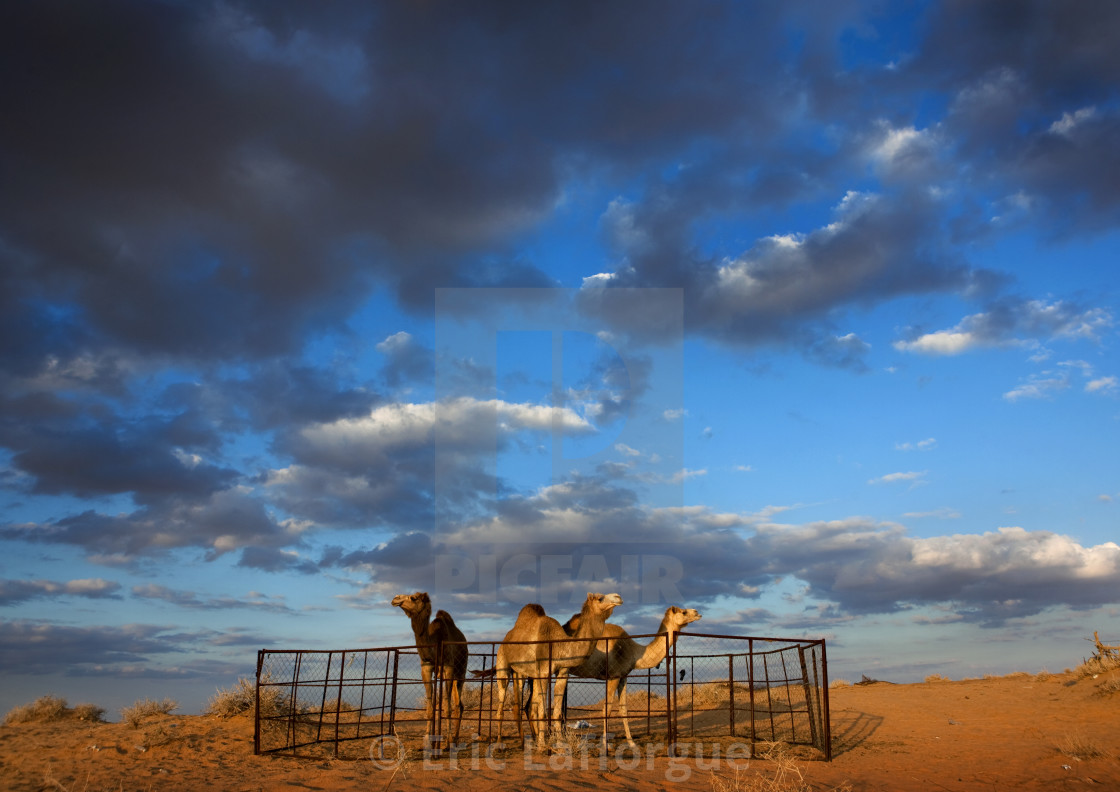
[[444, 616], [532, 609], [572, 624]]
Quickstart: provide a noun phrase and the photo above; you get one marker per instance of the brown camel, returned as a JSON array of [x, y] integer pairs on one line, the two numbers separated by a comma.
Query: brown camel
[[443, 650], [617, 654], [527, 653]]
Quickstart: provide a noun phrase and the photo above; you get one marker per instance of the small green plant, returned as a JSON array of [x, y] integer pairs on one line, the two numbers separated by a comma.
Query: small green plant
[[145, 708]]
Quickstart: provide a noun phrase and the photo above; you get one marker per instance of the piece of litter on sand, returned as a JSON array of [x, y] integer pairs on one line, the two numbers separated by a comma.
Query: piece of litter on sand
[[1066, 767], [582, 725], [954, 722]]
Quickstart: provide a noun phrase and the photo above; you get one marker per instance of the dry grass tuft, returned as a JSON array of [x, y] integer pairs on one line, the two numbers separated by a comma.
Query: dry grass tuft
[[145, 708], [839, 683], [1110, 686], [782, 775], [937, 678], [52, 708], [1079, 746]]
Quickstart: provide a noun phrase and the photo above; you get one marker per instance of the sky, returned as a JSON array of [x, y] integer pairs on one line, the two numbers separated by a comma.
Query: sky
[[803, 314]]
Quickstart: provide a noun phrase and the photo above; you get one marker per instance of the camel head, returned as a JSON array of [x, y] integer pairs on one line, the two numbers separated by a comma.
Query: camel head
[[414, 604], [676, 618], [601, 604]]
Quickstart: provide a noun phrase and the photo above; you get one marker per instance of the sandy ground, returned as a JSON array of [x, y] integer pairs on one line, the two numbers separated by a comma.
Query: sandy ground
[[1019, 732]]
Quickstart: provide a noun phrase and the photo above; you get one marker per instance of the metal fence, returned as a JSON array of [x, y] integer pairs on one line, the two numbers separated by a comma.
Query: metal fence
[[713, 688]]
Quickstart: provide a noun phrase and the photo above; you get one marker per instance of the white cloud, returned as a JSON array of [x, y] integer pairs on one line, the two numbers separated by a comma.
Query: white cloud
[[454, 422], [674, 414], [394, 343], [1020, 324], [626, 450], [1039, 386], [942, 342], [1105, 385], [922, 445], [1068, 123], [684, 474], [892, 478]]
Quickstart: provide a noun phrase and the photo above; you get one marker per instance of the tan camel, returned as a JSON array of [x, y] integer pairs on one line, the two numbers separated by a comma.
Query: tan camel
[[443, 656], [527, 652], [617, 654]]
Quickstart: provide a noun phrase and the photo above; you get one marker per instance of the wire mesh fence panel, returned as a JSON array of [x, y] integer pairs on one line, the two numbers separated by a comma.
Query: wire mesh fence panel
[[313, 698], [761, 689], [709, 687]]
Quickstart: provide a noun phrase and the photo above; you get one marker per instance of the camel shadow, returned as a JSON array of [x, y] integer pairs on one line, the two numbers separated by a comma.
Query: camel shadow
[[852, 729]]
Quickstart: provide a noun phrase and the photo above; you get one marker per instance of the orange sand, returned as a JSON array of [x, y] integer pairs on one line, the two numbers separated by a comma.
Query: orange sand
[[1018, 732]]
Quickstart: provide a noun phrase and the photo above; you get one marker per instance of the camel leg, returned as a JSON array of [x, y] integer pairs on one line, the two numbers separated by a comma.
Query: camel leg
[[455, 702], [501, 679], [558, 711], [622, 710], [429, 692], [540, 691]]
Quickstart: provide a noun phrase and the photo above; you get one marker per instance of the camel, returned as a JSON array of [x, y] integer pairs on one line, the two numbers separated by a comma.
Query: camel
[[526, 653], [617, 654], [443, 654]]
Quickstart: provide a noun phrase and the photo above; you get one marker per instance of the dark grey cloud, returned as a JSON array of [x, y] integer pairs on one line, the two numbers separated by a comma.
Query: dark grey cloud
[[785, 288], [226, 521], [589, 527], [14, 592], [195, 601], [215, 180], [44, 648]]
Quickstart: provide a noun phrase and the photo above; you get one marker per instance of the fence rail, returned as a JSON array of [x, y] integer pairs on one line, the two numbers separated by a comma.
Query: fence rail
[[711, 687]]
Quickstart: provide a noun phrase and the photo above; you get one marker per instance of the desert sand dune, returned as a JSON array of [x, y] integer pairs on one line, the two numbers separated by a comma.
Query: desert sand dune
[[1017, 732]]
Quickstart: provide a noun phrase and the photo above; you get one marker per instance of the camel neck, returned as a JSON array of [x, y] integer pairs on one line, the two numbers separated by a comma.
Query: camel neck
[[420, 624], [658, 647]]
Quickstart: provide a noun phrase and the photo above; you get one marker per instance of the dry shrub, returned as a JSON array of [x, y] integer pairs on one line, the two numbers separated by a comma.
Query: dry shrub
[[145, 708], [937, 678], [41, 710], [842, 683], [471, 697], [241, 697], [1109, 687], [1104, 659], [52, 708]]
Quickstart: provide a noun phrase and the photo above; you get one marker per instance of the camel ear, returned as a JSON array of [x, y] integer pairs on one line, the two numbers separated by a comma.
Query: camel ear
[[423, 597], [591, 595]]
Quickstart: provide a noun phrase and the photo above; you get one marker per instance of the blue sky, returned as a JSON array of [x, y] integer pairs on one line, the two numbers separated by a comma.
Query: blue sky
[[804, 316]]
